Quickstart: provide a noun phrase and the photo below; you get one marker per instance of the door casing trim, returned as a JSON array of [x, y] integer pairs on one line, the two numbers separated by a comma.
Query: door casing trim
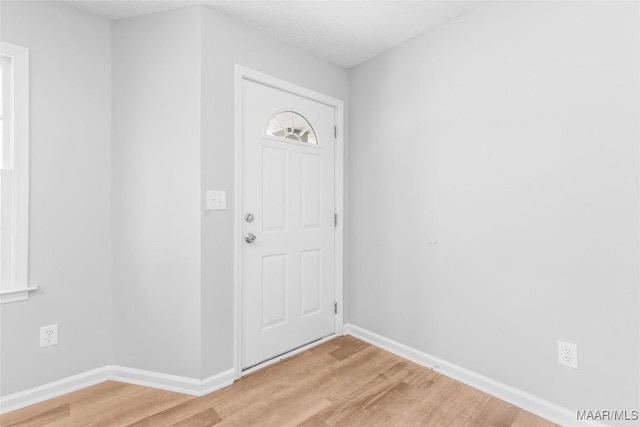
[[244, 73]]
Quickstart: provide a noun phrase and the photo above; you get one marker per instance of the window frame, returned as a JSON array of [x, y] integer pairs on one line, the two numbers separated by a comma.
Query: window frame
[[19, 288]]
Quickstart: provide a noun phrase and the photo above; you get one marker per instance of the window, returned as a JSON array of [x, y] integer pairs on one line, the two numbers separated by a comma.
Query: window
[[291, 125], [14, 173]]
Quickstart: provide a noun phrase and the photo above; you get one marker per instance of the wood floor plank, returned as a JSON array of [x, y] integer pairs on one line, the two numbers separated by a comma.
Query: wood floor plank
[[145, 405], [45, 417], [206, 418], [105, 412], [527, 419], [496, 413], [356, 404], [177, 413], [348, 348], [343, 382], [98, 391]]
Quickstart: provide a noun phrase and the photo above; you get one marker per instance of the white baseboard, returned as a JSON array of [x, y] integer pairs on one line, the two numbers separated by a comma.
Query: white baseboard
[[217, 381], [175, 383], [141, 377], [519, 398], [53, 389], [197, 387]]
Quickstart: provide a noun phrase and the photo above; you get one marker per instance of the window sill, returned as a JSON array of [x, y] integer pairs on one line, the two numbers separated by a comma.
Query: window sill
[[15, 295]]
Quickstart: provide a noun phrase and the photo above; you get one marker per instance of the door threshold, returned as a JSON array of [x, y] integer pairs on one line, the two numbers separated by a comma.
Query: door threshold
[[286, 354]]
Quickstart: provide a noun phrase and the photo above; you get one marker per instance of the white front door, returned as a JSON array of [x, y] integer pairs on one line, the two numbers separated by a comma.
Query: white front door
[[288, 206]]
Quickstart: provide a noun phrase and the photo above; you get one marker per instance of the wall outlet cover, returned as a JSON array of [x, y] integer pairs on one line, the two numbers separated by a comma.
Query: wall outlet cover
[[568, 354], [48, 336]]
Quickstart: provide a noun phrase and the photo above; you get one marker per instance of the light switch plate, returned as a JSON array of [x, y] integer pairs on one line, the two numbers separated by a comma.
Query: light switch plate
[[216, 200]]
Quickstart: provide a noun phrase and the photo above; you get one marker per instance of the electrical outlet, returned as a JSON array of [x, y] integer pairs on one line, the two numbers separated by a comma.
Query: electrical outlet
[[48, 336], [568, 354]]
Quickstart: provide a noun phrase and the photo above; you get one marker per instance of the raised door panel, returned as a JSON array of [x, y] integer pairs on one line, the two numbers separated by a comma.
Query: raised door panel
[[274, 188], [310, 190], [274, 290], [310, 281]]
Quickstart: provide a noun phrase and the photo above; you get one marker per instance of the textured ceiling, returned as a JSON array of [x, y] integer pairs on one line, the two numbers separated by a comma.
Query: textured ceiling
[[120, 9], [345, 33]]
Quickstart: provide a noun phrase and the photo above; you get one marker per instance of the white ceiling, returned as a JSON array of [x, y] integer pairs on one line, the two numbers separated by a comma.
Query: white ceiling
[[345, 33]]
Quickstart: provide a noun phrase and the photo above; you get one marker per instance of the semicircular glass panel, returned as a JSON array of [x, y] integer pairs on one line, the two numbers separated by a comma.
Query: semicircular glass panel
[[291, 125]]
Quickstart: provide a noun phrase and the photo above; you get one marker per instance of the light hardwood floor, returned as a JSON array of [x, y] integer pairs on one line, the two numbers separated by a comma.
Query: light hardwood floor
[[343, 382]]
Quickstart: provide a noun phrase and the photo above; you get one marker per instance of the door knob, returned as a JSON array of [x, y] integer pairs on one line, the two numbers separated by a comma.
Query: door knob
[[249, 238]]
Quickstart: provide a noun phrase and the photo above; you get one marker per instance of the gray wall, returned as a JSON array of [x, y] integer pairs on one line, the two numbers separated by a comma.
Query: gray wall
[[502, 134], [70, 228], [172, 259], [225, 42], [169, 311], [511, 135], [156, 192]]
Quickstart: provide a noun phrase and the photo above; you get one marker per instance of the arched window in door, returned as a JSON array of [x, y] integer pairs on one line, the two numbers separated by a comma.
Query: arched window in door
[[291, 125]]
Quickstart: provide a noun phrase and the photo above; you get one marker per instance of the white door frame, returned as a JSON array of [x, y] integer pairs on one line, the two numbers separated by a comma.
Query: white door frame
[[244, 73]]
